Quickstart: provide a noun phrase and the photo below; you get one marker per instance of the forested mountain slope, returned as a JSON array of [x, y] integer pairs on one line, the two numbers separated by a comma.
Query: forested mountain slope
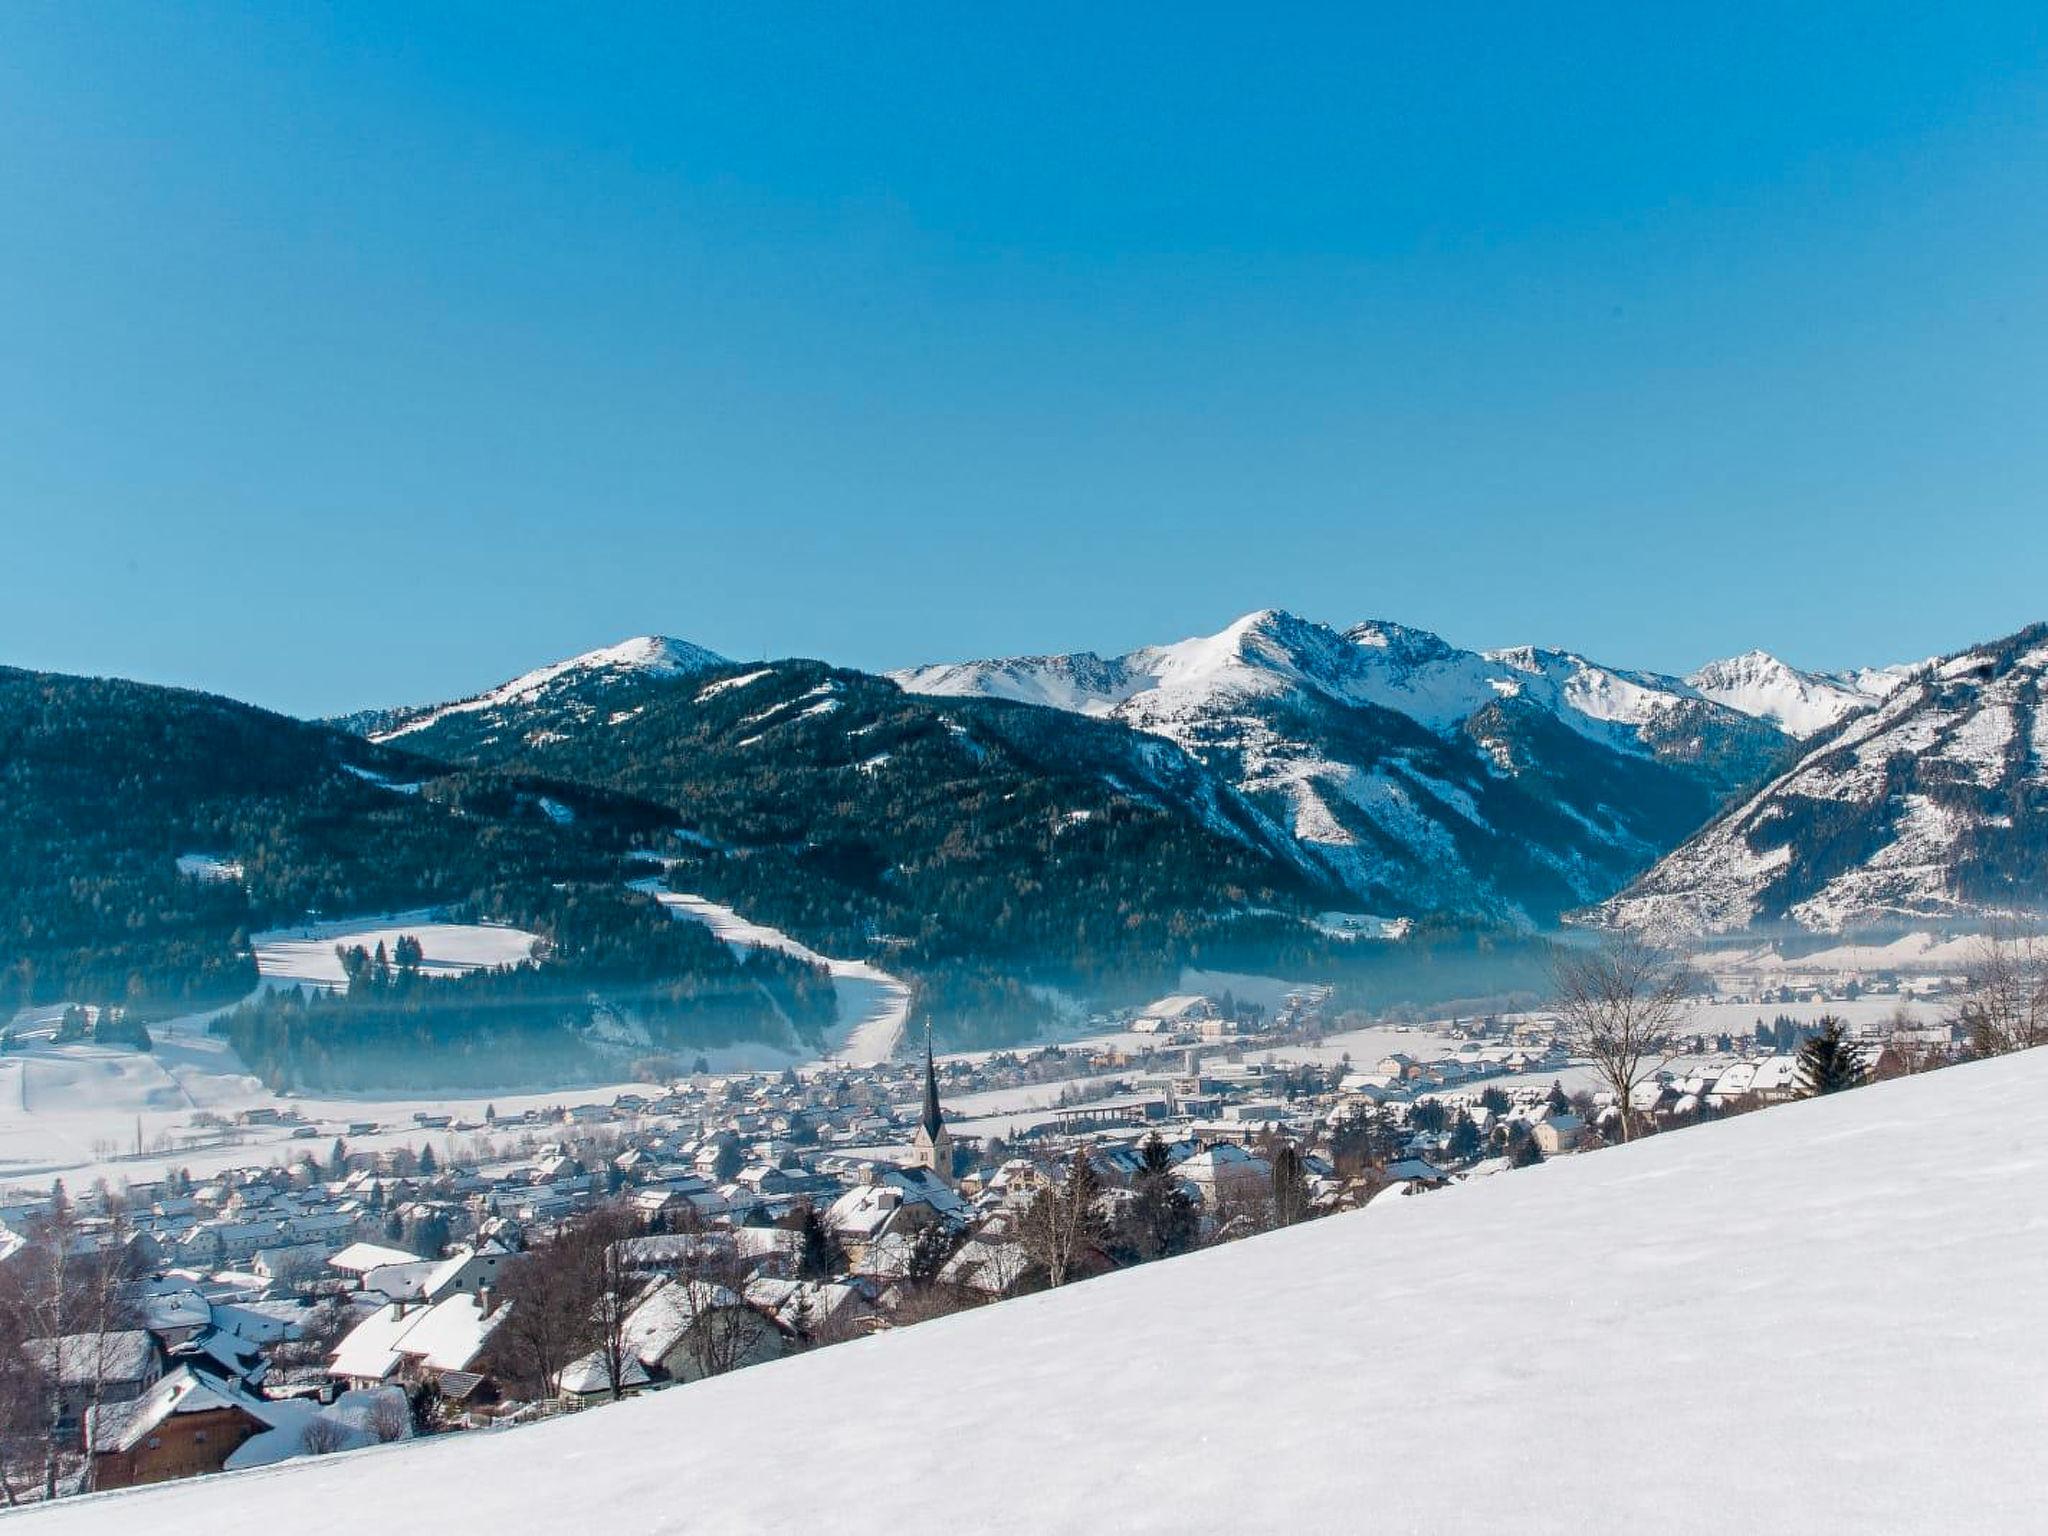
[[147, 831], [975, 844]]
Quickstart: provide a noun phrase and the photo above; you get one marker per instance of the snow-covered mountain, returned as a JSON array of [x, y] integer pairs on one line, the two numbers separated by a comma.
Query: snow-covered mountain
[[1801, 703], [1933, 804], [1513, 783], [577, 679], [1618, 1289]]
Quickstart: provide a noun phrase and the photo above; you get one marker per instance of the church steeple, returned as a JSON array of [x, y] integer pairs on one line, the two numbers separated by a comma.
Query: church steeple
[[932, 1143], [933, 1121]]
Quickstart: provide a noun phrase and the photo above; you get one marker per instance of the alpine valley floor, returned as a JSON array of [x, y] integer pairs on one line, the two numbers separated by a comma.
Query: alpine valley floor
[[1827, 1316]]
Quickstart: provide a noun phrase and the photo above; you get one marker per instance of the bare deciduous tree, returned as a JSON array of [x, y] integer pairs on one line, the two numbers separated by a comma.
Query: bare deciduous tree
[[388, 1418], [1063, 1224], [555, 1295], [322, 1435], [2005, 998], [1621, 1001]]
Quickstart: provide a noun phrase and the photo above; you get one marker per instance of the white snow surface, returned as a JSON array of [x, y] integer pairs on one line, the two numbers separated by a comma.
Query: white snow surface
[[304, 956], [1605, 1337], [646, 655]]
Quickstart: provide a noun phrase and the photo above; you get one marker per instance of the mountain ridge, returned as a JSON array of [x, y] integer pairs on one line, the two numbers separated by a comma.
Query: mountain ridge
[[1932, 806]]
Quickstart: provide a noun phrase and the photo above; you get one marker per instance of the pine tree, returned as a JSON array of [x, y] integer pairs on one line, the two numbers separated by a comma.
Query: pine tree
[[1466, 1142], [1290, 1186], [429, 1165], [820, 1257], [1559, 1104], [1161, 1219], [1828, 1063]]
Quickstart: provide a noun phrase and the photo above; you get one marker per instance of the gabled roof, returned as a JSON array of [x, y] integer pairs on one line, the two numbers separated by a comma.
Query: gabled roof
[[78, 1359], [361, 1258], [115, 1427], [666, 1314]]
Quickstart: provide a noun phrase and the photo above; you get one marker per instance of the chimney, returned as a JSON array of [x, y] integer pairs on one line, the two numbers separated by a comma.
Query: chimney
[[486, 1300]]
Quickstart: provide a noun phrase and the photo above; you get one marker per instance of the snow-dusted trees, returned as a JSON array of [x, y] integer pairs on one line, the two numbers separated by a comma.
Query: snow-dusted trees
[[2005, 1002], [1621, 1000]]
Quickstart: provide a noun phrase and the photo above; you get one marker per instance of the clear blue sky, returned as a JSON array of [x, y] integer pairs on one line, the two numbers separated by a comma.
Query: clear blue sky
[[361, 352]]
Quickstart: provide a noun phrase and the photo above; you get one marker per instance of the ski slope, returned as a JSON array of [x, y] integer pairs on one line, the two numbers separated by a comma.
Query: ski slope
[[873, 1006], [1823, 1317]]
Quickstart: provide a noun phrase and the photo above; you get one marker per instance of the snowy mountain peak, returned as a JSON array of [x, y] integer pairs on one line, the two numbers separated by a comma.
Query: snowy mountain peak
[[1401, 643], [659, 654], [641, 656], [1802, 703]]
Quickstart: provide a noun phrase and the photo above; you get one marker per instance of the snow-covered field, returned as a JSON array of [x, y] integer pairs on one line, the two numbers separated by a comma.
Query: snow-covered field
[[305, 955], [1824, 1317], [873, 1005]]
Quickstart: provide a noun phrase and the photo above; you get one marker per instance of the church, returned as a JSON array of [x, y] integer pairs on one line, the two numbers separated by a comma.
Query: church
[[932, 1145]]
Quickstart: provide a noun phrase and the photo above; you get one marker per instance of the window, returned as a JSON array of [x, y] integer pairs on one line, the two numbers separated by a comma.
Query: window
[[199, 1438]]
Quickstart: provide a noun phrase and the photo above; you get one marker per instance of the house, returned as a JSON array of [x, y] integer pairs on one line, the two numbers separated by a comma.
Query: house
[[1559, 1133], [469, 1271], [991, 1267], [291, 1265], [808, 1309], [1224, 1173], [182, 1426], [589, 1378], [685, 1330], [175, 1316], [84, 1368], [437, 1345]]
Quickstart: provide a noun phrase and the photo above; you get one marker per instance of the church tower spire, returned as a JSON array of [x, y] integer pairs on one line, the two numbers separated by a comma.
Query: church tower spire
[[932, 1145]]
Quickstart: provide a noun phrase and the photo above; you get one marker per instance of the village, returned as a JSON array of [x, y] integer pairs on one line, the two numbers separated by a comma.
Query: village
[[337, 1298]]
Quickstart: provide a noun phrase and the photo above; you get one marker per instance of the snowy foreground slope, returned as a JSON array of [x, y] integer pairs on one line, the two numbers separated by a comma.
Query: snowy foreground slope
[[1829, 1316]]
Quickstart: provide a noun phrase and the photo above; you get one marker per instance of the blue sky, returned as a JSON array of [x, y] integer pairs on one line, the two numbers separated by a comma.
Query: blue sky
[[364, 353]]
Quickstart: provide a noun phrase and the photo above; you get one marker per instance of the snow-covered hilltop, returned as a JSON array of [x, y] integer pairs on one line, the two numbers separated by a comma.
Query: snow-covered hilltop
[[1576, 1342], [641, 657], [1931, 805]]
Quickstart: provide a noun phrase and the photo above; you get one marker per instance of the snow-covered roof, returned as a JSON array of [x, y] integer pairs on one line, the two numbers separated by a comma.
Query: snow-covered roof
[[663, 1318], [592, 1374], [114, 1427], [79, 1359], [361, 1258]]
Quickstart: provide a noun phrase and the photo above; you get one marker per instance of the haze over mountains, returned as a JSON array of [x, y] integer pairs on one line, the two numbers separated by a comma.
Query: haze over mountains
[[1077, 822]]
